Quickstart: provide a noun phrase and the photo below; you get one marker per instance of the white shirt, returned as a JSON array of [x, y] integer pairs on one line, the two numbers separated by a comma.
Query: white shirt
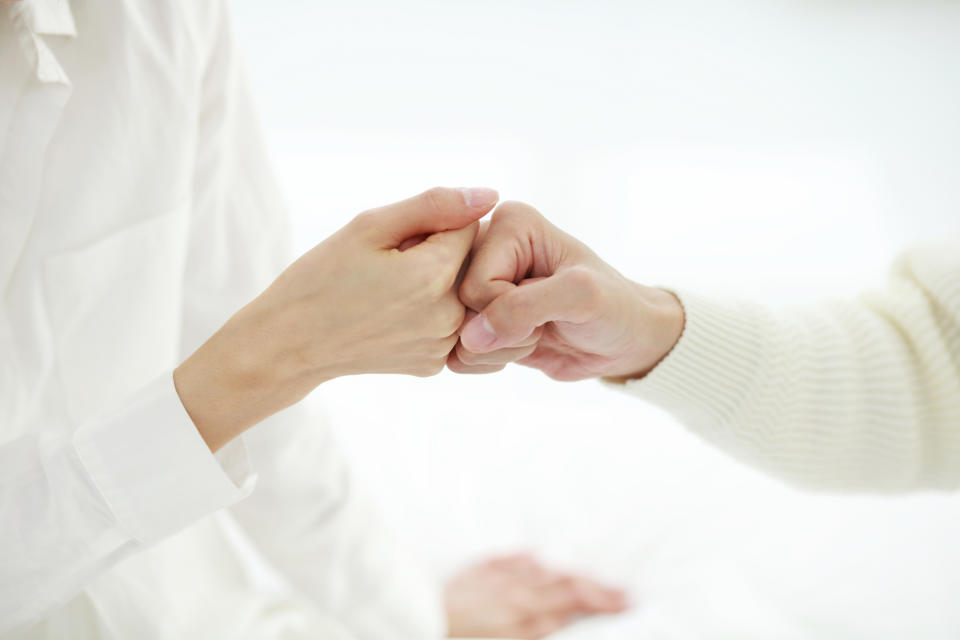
[[138, 212]]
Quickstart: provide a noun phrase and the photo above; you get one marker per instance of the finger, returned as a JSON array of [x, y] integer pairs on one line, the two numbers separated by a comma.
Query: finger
[[481, 234], [447, 253], [499, 357], [529, 341], [596, 598], [450, 316], [455, 365], [412, 241], [571, 296], [433, 211], [513, 247], [560, 594], [447, 344], [542, 626], [470, 362], [522, 562], [482, 227], [451, 247]]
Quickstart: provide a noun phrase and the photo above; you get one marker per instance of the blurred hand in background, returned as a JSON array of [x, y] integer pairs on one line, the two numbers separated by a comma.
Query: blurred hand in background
[[516, 597]]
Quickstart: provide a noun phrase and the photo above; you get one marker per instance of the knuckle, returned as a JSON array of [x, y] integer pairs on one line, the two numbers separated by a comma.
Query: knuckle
[[483, 368], [441, 266], [465, 356], [512, 306], [472, 293], [426, 370], [437, 365], [364, 221], [436, 285], [429, 281], [533, 339], [445, 264], [456, 366], [453, 318], [584, 283], [436, 199], [523, 352], [445, 346], [514, 210]]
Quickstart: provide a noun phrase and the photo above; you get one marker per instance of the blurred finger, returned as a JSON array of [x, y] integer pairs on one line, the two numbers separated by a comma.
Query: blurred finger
[[560, 596], [521, 562], [597, 598], [542, 626]]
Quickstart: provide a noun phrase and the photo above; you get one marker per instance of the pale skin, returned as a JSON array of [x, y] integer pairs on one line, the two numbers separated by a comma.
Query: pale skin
[[392, 275], [378, 296], [539, 601], [539, 297], [353, 304], [282, 345]]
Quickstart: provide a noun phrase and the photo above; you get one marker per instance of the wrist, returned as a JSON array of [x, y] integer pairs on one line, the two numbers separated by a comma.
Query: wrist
[[658, 321], [239, 377], [667, 322]]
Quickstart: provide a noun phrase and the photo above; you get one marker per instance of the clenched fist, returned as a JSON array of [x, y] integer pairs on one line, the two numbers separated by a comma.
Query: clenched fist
[[378, 296], [544, 299]]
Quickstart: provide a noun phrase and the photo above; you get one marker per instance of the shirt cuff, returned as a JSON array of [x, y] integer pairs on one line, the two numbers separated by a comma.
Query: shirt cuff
[[153, 468], [714, 366]]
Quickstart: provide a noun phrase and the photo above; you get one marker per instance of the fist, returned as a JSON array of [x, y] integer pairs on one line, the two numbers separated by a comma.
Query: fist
[[379, 296], [540, 297]]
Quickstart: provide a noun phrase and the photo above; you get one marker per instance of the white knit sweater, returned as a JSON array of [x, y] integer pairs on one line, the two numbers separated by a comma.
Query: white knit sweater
[[856, 394]]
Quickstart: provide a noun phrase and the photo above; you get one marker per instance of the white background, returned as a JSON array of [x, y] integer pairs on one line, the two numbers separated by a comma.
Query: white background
[[778, 150]]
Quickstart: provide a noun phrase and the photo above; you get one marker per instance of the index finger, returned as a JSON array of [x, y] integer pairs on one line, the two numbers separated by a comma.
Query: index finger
[[512, 249]]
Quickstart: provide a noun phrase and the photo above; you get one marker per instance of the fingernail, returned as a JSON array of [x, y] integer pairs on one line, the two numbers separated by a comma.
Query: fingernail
[[479, 197], [478, 334]]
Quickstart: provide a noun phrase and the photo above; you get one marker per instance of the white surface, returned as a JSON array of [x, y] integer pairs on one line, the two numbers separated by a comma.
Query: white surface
[[783, 150]]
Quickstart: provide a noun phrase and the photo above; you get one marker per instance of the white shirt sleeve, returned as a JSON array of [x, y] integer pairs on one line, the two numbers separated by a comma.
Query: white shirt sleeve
[[311, 518], [76, 505], [306, 516], [859, 394]]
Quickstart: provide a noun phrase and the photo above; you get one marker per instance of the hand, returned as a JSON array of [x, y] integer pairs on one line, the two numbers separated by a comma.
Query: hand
[[378, 296], [515, 597], [547, 301]]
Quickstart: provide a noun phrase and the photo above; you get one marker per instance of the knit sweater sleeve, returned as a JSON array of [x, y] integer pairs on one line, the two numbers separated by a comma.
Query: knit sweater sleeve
[[860, 394]]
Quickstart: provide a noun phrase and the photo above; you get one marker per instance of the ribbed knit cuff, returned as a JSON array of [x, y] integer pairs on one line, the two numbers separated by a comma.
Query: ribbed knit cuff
[[714, 366]]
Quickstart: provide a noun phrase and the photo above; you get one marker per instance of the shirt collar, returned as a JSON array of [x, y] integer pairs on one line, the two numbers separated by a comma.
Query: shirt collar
[[34, 18], [50, 17]]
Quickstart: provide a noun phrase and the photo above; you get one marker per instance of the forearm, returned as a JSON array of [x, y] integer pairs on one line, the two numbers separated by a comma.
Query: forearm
[[243, 374], [862, 394]]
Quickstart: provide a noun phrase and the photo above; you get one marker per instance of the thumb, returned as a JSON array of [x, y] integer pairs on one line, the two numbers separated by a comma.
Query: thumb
[[514, 315], [433, 211]]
